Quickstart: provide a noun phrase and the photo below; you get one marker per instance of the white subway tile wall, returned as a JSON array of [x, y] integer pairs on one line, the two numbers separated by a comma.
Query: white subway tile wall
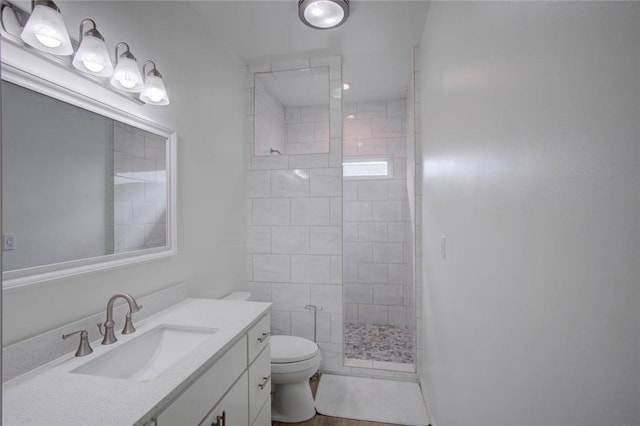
[[376, 219], [299, 248], [294, 238]]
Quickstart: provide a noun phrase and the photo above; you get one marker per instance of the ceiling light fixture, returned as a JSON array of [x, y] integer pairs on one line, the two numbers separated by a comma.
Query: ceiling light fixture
[[154, 92], [126, 75], [323, 14], [45, 29], [92, 56]]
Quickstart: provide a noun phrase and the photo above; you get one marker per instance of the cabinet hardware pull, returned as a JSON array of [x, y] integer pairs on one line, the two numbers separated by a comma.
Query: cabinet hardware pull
[[220, 420], [264, 337], [264, 382]]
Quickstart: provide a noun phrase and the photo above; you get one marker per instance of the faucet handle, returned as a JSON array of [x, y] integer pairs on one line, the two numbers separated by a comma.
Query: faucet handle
[[128, 323], [84, 348]]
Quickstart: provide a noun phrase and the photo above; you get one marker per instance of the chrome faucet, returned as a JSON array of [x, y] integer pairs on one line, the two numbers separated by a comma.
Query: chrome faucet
[[109, 336]]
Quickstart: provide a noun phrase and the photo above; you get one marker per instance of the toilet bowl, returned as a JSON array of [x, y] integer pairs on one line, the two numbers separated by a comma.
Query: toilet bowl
[[293, 361]]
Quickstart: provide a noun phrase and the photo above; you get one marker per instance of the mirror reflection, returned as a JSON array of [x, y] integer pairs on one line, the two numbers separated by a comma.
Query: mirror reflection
[[291, 112], [76, 184]]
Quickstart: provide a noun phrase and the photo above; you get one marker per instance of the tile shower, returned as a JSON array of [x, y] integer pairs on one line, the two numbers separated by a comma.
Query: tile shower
[[295, 225], [378, 239], [294, 220]]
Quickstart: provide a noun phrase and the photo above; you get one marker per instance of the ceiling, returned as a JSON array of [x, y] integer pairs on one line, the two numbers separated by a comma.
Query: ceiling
[[375, 42]]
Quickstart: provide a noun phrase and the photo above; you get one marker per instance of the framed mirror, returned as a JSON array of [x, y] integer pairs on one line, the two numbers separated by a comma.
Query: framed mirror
[[85, 186], [291, 112]]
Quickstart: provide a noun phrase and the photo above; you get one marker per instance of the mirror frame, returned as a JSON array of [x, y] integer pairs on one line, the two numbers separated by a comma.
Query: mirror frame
[[43, 273]]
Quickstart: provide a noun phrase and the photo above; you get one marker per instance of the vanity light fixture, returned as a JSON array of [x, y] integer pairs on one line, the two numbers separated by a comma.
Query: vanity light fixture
[[126, 75], [45, 29], [323, 14], [154, 91], [346, 86], [92, 56]]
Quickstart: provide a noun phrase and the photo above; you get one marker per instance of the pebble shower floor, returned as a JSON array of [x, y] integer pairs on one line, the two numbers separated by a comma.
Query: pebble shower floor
[[388, 343]]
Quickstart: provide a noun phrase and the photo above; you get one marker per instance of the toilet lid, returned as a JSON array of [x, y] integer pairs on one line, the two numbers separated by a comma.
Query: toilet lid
[[291, 349]]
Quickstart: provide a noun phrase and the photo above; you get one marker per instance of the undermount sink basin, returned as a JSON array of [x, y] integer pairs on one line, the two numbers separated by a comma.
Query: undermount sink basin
[[147, 356]]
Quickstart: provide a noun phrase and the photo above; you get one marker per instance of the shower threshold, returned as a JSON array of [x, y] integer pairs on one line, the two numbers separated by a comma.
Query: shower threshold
[[380, 365]]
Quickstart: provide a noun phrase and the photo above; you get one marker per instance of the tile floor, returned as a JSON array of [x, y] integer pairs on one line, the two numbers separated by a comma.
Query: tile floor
[[388, 343]]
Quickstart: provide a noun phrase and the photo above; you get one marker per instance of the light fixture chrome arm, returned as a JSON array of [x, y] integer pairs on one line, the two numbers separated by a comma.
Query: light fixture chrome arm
[[48, 3], [126, 54], [153, 70], [93, 32]]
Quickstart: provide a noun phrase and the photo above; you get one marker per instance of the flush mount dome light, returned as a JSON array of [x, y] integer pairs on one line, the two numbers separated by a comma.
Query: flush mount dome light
[[323, 14]]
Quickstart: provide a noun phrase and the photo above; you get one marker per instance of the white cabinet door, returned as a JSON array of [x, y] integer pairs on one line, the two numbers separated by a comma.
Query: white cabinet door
[[258, 337], [232, 410], [259, 382], [264, 416], [194, 404]]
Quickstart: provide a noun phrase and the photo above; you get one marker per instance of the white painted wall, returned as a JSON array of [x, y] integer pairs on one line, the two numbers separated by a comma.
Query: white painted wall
[[530, 124], [205, 80]]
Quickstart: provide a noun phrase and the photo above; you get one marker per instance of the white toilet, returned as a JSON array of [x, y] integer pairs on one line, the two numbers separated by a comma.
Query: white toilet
[[293, 361]]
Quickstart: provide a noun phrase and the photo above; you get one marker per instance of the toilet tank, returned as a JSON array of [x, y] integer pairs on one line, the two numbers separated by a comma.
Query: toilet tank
[[238, 295]]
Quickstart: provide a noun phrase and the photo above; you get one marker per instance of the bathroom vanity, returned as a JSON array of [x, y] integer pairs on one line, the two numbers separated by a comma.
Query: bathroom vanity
[[221, 379]]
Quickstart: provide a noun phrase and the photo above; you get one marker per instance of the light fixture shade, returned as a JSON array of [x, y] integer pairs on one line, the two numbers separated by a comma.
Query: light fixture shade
[[45, 30], [92, 57], [154, 91], [323, 14], [126, 76]]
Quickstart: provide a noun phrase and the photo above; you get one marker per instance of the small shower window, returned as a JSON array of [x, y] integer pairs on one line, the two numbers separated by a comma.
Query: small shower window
[[367, 168]]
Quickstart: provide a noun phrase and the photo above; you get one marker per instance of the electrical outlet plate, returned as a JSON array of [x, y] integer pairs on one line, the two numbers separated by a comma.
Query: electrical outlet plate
[[8, 242]]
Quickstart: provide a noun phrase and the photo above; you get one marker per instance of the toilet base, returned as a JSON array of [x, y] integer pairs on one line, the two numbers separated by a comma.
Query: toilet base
[[292, 402]]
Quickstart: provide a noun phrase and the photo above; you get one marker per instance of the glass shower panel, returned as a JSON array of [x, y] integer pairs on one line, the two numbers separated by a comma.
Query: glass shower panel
[[378, 235]]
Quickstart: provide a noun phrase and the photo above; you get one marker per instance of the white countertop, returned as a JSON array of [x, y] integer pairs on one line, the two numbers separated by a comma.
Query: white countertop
[[53, 395]]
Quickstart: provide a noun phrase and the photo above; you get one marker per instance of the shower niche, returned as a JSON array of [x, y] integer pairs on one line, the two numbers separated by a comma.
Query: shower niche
[[291, 111]]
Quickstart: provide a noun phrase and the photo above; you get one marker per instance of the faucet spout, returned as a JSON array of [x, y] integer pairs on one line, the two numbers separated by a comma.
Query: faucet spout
[[133, 305], [109, 336]]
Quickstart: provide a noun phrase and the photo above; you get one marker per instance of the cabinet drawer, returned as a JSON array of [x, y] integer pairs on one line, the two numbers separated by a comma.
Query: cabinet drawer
[[194, 404], [259, 337], [264, 416], [259, 382], [232, 409]]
